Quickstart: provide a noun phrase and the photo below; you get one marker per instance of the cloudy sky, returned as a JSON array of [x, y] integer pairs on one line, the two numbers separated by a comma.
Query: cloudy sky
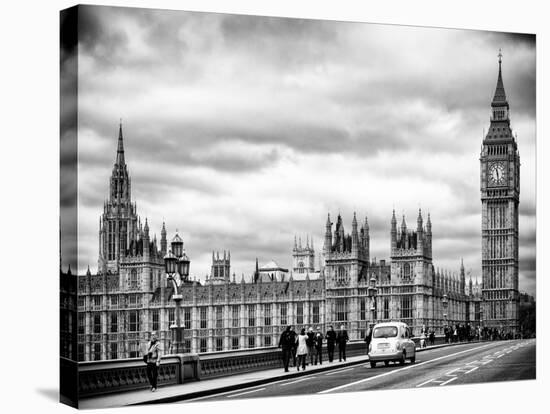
[[243, 131]]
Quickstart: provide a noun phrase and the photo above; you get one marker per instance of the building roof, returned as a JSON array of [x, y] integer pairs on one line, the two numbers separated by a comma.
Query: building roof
[[302, 276], [500, 94], [272, 265]]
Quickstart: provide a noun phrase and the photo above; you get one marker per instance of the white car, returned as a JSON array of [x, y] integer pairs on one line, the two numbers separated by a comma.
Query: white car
[[391, 341]]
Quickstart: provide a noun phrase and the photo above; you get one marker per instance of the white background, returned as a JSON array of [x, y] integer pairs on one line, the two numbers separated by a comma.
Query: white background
[[30, 197]]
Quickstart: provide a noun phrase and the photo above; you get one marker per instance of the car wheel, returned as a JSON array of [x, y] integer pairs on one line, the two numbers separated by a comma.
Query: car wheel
[[403, 356], [413, 359], [373, 364]]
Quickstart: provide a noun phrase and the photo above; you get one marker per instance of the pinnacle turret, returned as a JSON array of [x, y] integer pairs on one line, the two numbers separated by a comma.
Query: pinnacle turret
[[120, 147], [499, 98], [146, 228]]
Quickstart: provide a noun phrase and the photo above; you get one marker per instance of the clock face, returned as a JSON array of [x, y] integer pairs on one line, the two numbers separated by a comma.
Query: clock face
[[496, 173]]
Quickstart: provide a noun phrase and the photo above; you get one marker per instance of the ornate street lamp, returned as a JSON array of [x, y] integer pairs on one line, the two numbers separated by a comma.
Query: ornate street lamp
[[176, 264], [177, 245], [445, 303], [183, 266], [170, 264], [371, 293]]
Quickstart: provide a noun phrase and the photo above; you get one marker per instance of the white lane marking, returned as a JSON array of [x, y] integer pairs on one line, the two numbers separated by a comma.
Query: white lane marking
[[243, 393], [221, 394], [425, 382], [401, 369], [298, 380], [486, 362], [453, 370], [342, 370], [498, 356], [446, 382], [472, 370]]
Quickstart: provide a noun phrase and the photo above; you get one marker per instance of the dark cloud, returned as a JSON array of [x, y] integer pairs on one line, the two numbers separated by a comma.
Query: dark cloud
[[96, 37], [246, 130]]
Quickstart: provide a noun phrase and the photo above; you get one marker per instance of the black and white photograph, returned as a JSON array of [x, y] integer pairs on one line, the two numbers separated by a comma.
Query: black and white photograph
[[255, 206]]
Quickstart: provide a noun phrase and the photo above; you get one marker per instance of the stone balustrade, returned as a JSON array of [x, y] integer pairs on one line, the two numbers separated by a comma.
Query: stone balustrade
[[102, 377]]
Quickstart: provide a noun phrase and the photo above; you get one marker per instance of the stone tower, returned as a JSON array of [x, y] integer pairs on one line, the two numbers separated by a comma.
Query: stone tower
[[303, 257], [412, 270], [221, 267], [499, 170], [119, 221], [345, 256]]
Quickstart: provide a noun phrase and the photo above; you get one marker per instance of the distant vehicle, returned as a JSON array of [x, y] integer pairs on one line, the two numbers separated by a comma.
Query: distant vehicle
[[391, 341]]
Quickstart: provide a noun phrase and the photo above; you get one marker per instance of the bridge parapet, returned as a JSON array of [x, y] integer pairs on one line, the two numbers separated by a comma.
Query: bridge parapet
[[111, 376], [103, 377]]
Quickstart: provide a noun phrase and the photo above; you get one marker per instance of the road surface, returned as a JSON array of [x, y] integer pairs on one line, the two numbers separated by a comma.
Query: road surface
[[454, 365]]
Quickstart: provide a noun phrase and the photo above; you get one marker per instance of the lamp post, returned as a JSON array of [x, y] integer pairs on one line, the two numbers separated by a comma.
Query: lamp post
[[176, 264], [445, 303], [371, 293]]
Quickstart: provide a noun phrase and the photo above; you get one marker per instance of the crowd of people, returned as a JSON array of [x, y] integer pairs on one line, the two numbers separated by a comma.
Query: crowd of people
[[306, 348]]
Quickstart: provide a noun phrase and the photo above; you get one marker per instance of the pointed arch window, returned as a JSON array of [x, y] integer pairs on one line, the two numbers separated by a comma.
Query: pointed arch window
[[133, 279]]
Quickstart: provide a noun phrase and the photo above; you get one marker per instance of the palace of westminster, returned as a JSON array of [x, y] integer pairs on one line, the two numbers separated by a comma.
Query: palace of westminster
[[130, 295]]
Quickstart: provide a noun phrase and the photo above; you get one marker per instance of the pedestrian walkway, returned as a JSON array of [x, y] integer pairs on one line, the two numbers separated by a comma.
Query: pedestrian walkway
[[201, 388]]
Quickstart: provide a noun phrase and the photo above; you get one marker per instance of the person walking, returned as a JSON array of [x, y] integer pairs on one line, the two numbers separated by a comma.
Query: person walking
[[301, 350], [423, 340], [331, 339], [447, 334], [342, 338], [368, 337], [310, 342], [152, 359], [292, 340], [286, 345], [318, 346], [432, 336]]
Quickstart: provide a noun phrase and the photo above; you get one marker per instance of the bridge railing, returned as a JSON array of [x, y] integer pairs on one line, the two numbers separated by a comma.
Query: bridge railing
[[103, 377], [218, 364]]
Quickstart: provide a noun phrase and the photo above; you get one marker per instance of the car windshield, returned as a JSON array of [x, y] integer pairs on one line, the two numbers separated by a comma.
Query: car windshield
[[385, 332]]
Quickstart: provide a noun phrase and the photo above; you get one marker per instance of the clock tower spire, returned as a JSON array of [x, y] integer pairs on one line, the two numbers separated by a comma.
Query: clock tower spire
[[499, 170]]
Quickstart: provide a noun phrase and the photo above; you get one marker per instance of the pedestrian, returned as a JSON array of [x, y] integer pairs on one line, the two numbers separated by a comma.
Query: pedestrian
[[368, 337], [455, 334], [432, 336], [293, 345], [152, 359], [318, 346], [310, 342], [301, 350], [285, 344], [331, 339], [423, 340], [342, 338]]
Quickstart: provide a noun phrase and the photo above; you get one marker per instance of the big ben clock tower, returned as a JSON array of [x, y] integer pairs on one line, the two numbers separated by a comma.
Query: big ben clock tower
[[499, 223]]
